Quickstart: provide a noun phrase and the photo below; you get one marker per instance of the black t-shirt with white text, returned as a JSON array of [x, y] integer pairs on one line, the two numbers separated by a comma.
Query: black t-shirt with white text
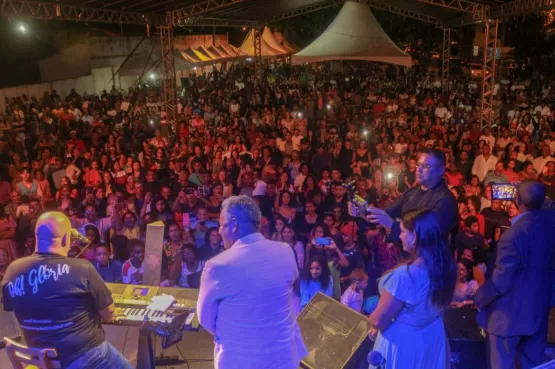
[[56, 301]]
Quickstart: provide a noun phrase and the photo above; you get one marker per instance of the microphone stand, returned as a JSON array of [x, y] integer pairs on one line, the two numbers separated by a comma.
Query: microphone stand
[[87, 245]]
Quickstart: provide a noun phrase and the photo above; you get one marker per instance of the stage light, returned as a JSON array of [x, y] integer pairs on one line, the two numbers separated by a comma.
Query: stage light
[[249, 59], [329, 107], [365, 132], [300, 115], [194, 68], [244, 28], [151, 121], [389, 175], [22, 28], [152, 76]]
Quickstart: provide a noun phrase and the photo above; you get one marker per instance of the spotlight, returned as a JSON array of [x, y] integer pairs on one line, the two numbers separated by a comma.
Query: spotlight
[[249, 59], [389, 175], [152, 76], [22, 28], [194, 68], [300, 115], [365, 132], [151, 121], [244, 28], [329, 106]]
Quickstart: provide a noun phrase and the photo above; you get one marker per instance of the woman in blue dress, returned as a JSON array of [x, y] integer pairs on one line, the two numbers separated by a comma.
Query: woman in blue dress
[[407, 323]]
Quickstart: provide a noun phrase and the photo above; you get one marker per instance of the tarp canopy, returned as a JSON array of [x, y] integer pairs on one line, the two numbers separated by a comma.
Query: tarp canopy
[[283, 42], [266, 50], [141, 62], [353, 35], [268, 36]]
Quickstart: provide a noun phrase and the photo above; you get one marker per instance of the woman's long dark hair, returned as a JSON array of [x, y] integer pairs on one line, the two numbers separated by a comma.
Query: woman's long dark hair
[[438, 261], [324, 278]]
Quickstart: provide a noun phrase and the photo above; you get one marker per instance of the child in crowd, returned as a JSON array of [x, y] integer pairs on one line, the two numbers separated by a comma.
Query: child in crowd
[[353, 296], [469, 238], [29, 244], [280, 224], [109, 270], [133, 269], [316, 278]]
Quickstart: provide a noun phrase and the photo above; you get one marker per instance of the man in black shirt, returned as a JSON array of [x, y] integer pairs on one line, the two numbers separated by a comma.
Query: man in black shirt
[[72, 298], [431, 193], [492, 215]]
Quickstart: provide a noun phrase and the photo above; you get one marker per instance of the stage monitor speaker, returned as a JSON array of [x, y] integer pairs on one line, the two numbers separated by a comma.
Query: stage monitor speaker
[[335, 336], [466, 342]]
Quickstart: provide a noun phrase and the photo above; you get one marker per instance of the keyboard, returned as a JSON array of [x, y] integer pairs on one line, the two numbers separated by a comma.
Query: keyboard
[[132, 302]]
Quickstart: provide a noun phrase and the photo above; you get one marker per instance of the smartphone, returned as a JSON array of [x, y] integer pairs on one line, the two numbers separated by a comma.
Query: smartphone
[[323, 241], [503, 191]]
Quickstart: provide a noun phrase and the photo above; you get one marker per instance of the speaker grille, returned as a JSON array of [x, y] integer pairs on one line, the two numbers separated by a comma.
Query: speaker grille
[[332, 333]]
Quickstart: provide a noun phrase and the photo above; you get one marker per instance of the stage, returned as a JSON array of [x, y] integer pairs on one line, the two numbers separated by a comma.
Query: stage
[[196, 347]]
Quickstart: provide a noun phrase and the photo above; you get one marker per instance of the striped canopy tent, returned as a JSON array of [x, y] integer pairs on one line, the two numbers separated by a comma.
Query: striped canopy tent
[[212, 55], [354, 34], [190, 56], [200, 54], [219, 54], [233, 51]]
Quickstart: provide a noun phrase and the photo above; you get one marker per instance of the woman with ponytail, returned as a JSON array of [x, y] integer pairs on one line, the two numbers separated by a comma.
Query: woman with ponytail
[[407, 324]]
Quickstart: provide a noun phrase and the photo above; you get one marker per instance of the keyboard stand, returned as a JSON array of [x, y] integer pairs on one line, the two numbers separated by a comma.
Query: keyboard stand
[[168, 360], [145, 354]]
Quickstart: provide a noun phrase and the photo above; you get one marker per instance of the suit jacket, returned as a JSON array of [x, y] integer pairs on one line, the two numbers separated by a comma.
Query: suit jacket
[[245, 301], [517, 297]]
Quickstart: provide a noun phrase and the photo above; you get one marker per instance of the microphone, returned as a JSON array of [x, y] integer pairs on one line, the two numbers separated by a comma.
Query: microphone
[[376, 359], [75, 234]]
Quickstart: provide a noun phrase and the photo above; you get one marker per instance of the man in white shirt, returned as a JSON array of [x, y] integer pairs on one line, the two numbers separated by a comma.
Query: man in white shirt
[[440, 111], [246, 294], [540, 162], [504, 140], [543, 108], [484, 163], [487, 137], [297, 139]]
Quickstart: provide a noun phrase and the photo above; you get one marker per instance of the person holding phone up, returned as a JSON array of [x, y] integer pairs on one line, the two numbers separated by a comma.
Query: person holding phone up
[[431, 193]]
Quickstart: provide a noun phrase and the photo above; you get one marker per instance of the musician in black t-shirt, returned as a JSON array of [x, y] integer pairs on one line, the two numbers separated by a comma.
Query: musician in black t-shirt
[[60, 302]]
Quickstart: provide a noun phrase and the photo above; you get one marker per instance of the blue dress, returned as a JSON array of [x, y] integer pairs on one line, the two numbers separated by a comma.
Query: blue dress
[[416, 339]]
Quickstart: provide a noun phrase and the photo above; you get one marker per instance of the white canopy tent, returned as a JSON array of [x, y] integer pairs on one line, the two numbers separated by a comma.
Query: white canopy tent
[[353, 35]]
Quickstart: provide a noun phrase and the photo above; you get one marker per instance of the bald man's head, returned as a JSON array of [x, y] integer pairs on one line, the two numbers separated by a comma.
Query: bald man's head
[[531, 194], [53, 233]]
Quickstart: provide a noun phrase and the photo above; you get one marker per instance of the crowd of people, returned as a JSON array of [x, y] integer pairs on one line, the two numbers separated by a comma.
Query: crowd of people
[[302, 145]]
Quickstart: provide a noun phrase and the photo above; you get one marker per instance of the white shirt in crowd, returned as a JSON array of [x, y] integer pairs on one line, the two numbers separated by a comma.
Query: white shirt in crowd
[[490, 140], [503, 142], [440, 111], [540, 162], [353, 299], [482, 166], [545, 111]]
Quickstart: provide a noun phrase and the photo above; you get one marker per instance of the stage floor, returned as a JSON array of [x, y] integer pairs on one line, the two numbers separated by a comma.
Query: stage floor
[[196, 347]]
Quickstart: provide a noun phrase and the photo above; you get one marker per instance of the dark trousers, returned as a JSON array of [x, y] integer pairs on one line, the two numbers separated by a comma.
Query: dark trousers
[[505, 352]]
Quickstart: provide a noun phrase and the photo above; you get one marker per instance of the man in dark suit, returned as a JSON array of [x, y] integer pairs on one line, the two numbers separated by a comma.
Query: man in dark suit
[[516, 299]]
